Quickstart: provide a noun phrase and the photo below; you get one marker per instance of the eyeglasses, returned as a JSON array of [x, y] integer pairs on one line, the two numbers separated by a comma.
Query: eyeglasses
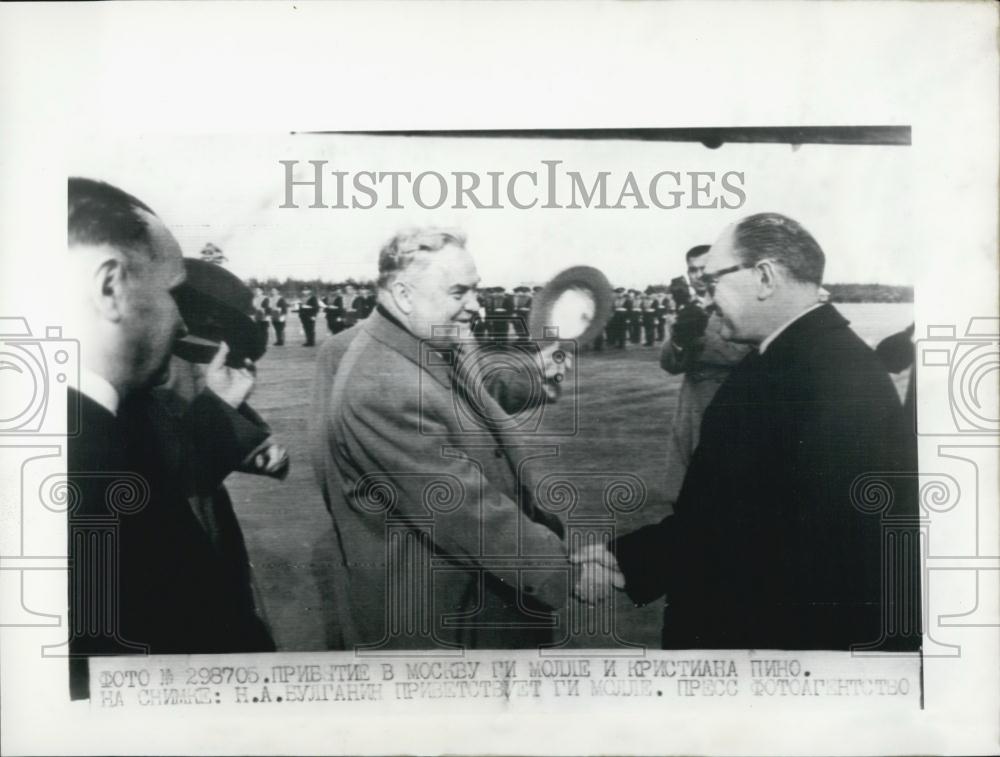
[[711, 279]]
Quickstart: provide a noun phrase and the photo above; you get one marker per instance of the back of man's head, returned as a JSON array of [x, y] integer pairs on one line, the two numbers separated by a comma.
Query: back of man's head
[[100, 214], [696, 252], [408, 247], [776, 237]]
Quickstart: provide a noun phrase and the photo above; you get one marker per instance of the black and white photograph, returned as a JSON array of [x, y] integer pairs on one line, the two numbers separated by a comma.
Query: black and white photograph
[[490, 419], [349, 423]]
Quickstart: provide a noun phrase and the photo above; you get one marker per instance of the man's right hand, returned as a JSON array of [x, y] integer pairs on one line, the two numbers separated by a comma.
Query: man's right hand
[[689, 326], [597, 574], [232, 385]]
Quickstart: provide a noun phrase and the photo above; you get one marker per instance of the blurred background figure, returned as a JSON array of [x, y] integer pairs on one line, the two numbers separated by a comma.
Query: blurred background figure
[[308, 310], [499, 308], [633, 317], [212, 253], [202, 463], [697, 350], [664, 313], [648, 308], [262, 313], [618, 325], [522, 309], [279, 314], [333, 310], [220, 311], [363, 304]]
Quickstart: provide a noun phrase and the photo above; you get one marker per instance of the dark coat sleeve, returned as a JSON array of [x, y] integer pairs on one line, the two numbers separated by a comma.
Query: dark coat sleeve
[[644, 557], [221, 437], [207, 439]]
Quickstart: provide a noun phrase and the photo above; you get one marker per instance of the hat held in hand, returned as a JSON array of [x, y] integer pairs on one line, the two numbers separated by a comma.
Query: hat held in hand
[[217, 307]]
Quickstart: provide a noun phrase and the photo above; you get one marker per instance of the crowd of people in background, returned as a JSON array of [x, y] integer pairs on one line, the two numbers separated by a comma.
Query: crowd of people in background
[[639, 317], [342, 307]]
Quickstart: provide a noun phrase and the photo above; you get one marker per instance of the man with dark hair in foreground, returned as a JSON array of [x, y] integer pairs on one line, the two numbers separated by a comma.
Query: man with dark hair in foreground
[[771, 545]]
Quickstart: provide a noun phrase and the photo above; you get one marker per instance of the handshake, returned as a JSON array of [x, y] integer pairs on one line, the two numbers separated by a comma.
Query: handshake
[[596, 574]]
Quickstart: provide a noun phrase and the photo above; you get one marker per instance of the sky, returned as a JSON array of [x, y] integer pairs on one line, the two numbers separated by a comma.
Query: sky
[[228, 189]]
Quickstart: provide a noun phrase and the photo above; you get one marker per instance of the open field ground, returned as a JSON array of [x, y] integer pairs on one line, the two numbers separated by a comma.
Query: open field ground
[[624, 402]]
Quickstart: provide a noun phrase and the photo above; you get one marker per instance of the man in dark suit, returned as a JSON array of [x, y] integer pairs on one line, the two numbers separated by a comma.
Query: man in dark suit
[[618, 325], [333, 306], [771, 544], [143, 574], [499, 308], [632, 316], [648, 307], [361, 305], [308, 310], [279, 313], [262, 313]]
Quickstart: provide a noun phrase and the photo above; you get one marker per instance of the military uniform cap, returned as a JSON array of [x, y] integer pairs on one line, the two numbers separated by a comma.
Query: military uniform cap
[[217, 307]]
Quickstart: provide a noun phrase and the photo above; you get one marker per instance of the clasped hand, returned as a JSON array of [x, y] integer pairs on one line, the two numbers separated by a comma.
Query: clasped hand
[[597, 573]]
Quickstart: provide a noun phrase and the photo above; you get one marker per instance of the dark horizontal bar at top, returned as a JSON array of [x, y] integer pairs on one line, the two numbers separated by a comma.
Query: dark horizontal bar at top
[[710, 137]]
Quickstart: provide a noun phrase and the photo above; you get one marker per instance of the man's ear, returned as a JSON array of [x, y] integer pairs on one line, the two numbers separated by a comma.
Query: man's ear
[[401, 296], [769, 273], [108, 288]]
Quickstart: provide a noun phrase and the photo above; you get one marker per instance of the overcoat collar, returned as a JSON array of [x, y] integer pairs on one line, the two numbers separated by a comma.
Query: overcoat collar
[[806, 329], [437, 357]]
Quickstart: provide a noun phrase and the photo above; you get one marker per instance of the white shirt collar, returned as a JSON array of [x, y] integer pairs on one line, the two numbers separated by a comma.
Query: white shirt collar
[[777, 332], [99, 389]]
